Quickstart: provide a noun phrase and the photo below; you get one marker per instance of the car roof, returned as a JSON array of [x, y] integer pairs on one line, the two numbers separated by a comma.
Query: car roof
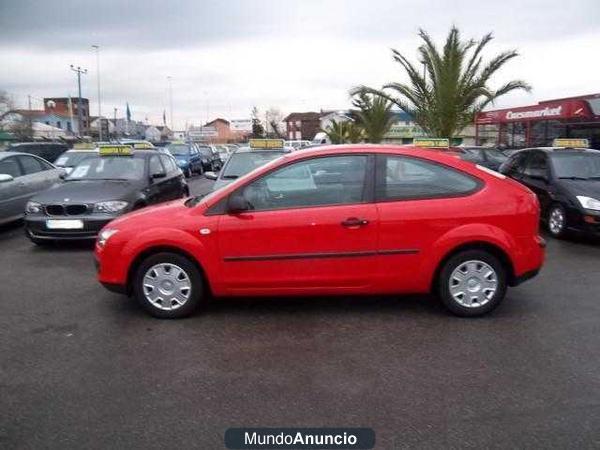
[[247, 149], [551, 150], [7, 153], [18, 144]]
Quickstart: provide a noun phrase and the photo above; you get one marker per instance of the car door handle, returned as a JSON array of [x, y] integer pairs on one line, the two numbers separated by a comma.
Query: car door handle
[[353, 222]]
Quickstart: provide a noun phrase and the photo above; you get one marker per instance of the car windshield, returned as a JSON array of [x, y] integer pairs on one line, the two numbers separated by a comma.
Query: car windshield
[[576, 165], [72, 159], [495, 155], [241, 163], [181, 150], [109, 168]]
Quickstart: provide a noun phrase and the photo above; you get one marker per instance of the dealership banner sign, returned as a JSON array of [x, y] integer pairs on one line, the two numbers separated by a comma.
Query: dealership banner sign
[[560, 110]]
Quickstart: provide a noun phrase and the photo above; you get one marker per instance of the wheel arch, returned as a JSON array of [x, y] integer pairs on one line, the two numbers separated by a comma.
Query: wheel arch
[[489, 247], [161, 249]]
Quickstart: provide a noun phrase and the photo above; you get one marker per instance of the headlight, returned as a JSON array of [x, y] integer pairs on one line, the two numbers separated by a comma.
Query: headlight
[[33, 208], [589, 202], [105, 235], [110, 207]]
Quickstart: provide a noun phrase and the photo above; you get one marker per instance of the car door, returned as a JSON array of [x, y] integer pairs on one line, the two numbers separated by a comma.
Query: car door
[[418, 201], [173, 184], [311, 227], [158, 190], [536, 176], [13, 194], [34, 175]]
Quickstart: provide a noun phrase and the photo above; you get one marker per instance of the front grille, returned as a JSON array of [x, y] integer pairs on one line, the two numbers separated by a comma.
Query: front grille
[[55, 210], [66, 210], [74, 210]]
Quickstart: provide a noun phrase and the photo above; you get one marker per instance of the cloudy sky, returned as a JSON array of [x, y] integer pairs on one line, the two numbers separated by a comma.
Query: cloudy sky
[[225, 56]]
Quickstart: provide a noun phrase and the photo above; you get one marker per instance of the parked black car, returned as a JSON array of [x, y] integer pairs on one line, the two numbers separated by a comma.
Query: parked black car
[[489, 157], [211, 161], [50, 151], [101, 188], [566, 182]]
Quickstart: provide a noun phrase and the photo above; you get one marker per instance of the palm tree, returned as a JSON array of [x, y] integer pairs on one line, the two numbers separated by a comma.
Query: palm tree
[[375, 115], [456, 86], [343, 132]]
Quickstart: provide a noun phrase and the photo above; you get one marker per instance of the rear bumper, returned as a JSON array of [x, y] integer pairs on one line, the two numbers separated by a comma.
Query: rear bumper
[[524, 277], [35, 227]]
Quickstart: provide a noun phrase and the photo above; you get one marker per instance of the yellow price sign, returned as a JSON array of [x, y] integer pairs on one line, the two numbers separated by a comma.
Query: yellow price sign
[[115, 150], [142, 145], [84, 146], [266, 143], [571, 143], [431, 142]]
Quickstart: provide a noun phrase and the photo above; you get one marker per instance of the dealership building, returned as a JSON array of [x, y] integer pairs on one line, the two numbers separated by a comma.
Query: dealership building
[[538, 125]]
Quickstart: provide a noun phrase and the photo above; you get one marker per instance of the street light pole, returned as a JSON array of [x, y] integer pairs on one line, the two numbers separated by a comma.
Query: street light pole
[[97, 47], [79, 71], [170, 102]]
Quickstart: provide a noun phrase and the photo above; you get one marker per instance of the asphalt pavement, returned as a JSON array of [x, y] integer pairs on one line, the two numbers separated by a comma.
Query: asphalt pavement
[[81, 367]]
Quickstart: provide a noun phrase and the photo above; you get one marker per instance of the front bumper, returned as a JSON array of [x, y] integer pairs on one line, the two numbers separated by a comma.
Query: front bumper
[[587, 222], [36, 227]]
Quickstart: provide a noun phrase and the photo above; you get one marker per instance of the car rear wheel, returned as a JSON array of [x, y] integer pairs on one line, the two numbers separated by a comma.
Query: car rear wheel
[[557, 221], [168, 286], [472, 283]]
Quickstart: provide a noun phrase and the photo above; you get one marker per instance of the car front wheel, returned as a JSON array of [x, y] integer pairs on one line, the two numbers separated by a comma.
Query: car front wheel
[[168, 286], [472, 283], [557, 221]]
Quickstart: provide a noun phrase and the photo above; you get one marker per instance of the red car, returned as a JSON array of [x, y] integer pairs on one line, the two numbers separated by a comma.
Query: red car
[[355, 219]]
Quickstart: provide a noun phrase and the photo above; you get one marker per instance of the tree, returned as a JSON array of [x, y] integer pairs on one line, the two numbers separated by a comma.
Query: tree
[[257, 129], [375, 116], [343, 132], [455, 88], [6, 103], [274, 117]]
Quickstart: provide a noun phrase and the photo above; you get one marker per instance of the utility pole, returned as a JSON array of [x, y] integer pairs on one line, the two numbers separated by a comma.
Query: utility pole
[[78, 70], [115, 117], [97, 47], [29, 102], [169, 78]]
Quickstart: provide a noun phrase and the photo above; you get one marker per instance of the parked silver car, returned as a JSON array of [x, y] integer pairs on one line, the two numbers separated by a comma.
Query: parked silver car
[[21, 177]]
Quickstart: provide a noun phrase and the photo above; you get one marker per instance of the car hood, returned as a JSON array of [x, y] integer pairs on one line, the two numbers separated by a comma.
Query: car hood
[[588, 188], [88, 192], [166, 213]]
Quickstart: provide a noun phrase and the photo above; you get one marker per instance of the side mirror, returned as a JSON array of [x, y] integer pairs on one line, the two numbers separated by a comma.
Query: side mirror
[[237, 204], [210, 175], [62, 174], [158, 175], [5, 178]]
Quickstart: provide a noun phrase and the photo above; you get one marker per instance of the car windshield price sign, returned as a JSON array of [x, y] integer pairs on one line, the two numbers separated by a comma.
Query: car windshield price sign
[[431, 142]]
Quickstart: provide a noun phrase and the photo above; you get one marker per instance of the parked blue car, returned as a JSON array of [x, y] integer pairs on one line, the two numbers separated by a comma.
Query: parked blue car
[[187, 156]]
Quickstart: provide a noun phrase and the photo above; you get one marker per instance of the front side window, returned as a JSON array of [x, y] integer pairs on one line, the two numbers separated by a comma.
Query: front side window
[[30, 164], [536, 165], [405, 178], [335, 180], [155, 166], [169, 163]]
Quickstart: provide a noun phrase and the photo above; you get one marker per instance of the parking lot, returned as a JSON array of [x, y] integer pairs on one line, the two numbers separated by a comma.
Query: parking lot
[[85, 368]]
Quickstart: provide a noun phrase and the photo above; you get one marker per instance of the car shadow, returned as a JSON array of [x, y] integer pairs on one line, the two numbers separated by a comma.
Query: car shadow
[[9, 230]]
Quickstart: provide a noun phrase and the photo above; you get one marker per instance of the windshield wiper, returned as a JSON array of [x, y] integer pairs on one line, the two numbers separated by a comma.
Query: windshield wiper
[[573, 178], [230, 177]]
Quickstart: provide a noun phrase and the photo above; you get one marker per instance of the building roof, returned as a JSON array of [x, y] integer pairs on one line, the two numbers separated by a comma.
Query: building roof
[[307, 116], [218, 119]]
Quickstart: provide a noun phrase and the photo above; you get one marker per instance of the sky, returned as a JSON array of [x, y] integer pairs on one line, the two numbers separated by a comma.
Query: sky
[[226, 56]]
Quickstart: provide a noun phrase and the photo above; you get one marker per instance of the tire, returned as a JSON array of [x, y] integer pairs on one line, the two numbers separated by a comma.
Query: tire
[[476, 284], [168, 308], [557, 221]]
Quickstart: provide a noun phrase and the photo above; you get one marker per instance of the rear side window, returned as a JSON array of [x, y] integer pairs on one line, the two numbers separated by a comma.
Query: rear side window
[[515, 165], [406, 178], [10, 166]]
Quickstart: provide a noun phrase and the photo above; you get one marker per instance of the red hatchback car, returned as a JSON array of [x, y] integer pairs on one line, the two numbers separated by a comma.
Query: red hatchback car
[[357, 219]]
